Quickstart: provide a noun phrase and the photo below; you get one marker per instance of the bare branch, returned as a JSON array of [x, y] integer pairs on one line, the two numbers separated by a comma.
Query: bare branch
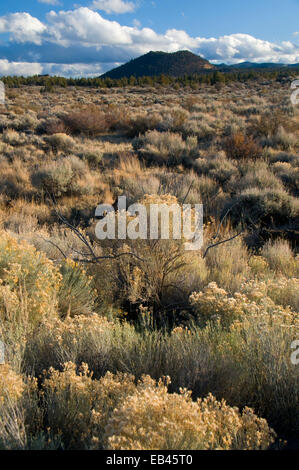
[[113, 257], [222, 220], [54, 244], [220, 243], [94, 258], [192, 182]]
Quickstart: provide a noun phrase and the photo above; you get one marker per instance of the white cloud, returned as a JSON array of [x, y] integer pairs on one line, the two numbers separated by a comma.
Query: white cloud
[[65, 70], [19, 68], [236, 48], [22, 27], [74, 70], [50, 2], [113, 6], [86, 27], [86, 40]]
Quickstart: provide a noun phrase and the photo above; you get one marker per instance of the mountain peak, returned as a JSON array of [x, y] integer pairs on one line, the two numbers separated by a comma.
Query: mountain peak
[[156, 63]]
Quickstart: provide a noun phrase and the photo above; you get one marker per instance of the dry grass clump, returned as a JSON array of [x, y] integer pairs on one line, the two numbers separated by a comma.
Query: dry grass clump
[[228, 264], [67, 176], [166, 148], [15, 178], [217, 166], [61, 141], [92, 338], [281, 258], [12, 137]]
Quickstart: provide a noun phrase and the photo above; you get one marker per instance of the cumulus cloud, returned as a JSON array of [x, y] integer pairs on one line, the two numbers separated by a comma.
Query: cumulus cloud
[[65, 70], [113, 6], [19, 68], [73, 70], [83, 36], [236, 48], [86, 27], [22, 27]]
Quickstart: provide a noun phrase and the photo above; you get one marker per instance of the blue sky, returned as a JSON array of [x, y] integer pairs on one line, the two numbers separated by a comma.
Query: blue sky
[[89, 37]]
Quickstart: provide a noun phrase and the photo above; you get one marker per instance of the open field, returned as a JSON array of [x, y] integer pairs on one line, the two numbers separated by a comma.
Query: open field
[[140, 344]]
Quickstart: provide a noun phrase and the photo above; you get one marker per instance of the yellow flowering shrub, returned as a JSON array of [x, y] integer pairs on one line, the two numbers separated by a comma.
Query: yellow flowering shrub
[[274, 301], [259, 265], [214, 304], [28, 282], [282, 291], [153, 419], [11, 384], [78, 407], [115, 412]]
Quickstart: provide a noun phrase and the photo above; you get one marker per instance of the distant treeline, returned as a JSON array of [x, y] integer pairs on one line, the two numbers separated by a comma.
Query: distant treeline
[[193, 81]]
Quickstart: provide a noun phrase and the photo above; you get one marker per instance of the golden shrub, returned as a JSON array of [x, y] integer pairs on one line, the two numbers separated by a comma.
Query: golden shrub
[[153, 419], [214, 304], [269, 301], [11, 384], [78, 407], [28, 282]]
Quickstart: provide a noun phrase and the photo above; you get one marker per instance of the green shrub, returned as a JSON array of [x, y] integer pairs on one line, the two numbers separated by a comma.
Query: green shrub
[[263, 206], [76, 295]]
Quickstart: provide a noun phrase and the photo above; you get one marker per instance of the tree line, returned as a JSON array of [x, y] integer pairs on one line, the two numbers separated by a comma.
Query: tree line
[[217, 78]]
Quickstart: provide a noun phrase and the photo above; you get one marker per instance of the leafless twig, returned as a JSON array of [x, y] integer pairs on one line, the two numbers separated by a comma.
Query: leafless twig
[[220, 243]]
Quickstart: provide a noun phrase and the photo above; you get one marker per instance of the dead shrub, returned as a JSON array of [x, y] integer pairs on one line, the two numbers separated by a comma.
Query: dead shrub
[[239, 146], [88, 120]]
